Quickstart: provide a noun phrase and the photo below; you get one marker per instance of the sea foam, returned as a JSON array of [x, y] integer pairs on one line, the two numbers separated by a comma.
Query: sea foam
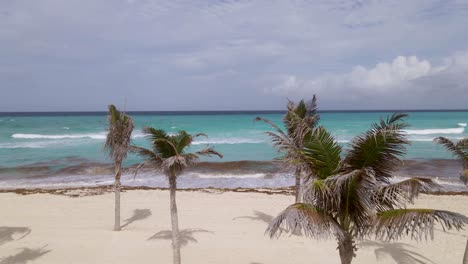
[[458, 130], [64, 136]]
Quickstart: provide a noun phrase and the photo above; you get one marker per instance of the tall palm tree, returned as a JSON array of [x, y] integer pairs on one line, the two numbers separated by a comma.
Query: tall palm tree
[[298, 120], [117, 144], [168, 153], [352, 197], [459, 150]]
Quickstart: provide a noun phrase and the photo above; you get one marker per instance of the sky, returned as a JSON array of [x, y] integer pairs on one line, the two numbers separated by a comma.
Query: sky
[[81, 55]]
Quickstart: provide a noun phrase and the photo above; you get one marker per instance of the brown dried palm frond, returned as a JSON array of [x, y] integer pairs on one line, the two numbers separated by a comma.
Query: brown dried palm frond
[[418, 223], [305, 218], [351, 197], [119, 134], [292, 154], [209, 152], [380, 148], [396, 195]]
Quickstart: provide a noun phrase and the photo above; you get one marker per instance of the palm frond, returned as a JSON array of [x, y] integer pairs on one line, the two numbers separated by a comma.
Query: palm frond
[[292, 153], [199, 135], [396, 195], [119, 134], [209, 152], [463, 145], [313, 114], [381, 148], [310, 221], [321, 194], [351, 198], [418, 223], [278, 130], [159, 139], [458, 150], [181, 140], [323, 152], [146, 154]]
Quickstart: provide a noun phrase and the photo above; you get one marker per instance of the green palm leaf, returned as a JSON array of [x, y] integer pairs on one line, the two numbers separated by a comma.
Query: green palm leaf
[[323, 153], [380, 148]]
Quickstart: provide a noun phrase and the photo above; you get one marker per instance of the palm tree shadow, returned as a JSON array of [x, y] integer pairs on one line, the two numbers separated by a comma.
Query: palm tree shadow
[[8, 233], [25, 256], [138, 214], [397, 251], [258, 216], [185, 235], [266, 218]]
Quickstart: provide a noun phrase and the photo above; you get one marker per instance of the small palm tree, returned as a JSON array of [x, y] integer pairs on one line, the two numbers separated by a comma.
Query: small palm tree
[[298, 121], [118, 143], [168, 153], [459, 150], [351, 198]]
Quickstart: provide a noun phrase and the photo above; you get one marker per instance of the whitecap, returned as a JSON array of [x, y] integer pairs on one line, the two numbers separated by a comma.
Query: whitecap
[[431, 131], [67, 128], [65, 136], [59, 136], [462, 124]]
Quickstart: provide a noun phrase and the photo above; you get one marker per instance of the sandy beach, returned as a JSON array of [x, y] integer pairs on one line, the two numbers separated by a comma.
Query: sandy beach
[[217, 227]]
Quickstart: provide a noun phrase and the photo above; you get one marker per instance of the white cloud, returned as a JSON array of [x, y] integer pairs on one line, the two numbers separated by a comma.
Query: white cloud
[[408, 76]]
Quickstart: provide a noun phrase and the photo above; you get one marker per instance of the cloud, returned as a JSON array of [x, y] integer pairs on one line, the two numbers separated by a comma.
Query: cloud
[[153, 51], [415, 79]]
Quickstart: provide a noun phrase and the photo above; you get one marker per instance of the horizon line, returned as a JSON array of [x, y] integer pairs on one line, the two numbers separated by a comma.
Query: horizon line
[[194, 112]]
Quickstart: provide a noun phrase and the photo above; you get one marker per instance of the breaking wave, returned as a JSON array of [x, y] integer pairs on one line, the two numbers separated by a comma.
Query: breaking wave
[[65, 136], [458, 130]]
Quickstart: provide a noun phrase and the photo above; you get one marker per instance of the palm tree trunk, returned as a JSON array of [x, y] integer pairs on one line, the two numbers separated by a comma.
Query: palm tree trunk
[[465, 257], [298, 185], [174, 220], [118, 172], [346, 249]]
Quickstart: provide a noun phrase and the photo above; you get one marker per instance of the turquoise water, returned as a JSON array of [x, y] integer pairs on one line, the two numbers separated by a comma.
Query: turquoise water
[[26, 140]]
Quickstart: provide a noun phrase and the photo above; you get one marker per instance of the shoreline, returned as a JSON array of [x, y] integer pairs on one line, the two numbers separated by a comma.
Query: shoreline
[[105, 189], [255, 175]]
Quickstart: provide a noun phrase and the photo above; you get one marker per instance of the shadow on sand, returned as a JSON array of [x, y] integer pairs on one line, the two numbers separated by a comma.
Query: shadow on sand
[[138, 214], [399, 252], [8, 233], [25, 256], [185, 235], [258, 216]]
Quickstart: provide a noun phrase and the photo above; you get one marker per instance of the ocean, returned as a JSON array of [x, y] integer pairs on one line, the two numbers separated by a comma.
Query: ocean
[[55, 150]]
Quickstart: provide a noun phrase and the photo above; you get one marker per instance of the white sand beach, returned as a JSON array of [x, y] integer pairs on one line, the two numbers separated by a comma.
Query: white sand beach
[[216, 228]]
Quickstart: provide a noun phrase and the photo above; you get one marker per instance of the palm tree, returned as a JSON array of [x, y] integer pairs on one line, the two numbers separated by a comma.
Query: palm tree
[[298, 119], [168, 153], [459, 150], [118, 143], [352, 197]]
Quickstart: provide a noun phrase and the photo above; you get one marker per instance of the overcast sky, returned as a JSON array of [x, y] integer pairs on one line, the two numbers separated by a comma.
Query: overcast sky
[[78, 55]]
